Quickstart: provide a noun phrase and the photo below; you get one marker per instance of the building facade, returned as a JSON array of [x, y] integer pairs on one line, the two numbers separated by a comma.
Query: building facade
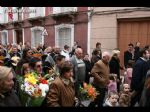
[[63, 25], [116, 27]]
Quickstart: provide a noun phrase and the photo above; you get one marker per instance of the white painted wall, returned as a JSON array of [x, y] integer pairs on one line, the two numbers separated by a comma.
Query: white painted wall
[[104, 26]]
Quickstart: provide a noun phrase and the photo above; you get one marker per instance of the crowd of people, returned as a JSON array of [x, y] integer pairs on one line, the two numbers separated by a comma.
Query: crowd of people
[[71, 68]]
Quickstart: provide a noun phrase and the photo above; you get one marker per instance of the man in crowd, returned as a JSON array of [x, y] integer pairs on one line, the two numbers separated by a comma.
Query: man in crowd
[[129, 54], [79, 68], [65, 52], [138, 76], [98, 48], [100, 72]]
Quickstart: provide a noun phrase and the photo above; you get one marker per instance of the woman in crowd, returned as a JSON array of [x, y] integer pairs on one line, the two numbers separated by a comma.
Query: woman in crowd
[[27, 55], [61, 92], [88, 68], [114, 65], [8, 97], [35, 65]]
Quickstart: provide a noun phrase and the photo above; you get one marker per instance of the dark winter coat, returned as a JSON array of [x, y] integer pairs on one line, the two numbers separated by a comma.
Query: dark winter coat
[[114, 66], [9, 99], [127, 57], [139, 73], [88, 70], [145, 98]]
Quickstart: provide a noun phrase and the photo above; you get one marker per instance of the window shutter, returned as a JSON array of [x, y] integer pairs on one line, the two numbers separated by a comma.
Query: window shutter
[[64, 37], [38, 37], [4, 38]]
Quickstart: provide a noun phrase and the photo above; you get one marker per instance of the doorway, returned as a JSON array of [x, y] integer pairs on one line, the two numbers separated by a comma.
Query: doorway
[[19, 37]]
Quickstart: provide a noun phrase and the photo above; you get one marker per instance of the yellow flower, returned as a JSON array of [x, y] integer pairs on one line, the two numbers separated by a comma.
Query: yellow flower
[[31, 79], [27, 75]]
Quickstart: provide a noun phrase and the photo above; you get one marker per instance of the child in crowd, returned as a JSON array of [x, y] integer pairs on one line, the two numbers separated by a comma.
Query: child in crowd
[[25, 69], [129, 70], [112, 99], [112, 86], [125, 96]]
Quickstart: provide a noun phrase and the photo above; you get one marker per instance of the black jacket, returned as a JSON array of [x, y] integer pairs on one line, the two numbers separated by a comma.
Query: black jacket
[[88, 69], [9, 99], [127, 57], [138, 75], [114, 66]]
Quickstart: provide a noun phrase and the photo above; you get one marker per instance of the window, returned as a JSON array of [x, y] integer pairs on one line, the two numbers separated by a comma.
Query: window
[[36, 36], [63, 9], [64, 35], [15, 14], [36, 11], [4, 37], [3, 15]]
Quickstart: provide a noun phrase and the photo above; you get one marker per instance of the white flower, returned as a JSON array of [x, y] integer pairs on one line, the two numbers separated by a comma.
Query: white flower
[[29, 89], [44, 88]]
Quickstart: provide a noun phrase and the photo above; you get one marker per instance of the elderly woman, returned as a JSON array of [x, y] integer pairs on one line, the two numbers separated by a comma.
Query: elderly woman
[[115, 67], [7, 94], [61, 92]]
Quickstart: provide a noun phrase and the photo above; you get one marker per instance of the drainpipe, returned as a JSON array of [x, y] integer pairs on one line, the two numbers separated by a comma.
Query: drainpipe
[[13, 36], [23, 36], [89, 32]]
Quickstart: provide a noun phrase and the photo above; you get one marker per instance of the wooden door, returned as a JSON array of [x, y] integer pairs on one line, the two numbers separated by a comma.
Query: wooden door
[[131, 32]]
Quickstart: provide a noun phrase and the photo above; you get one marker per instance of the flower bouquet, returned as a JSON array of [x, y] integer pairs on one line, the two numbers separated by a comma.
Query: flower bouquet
[[33, 89], [87, 93]]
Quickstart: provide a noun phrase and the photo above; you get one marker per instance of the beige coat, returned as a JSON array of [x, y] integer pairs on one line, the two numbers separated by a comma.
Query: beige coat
[[60, 94], [100, 72]]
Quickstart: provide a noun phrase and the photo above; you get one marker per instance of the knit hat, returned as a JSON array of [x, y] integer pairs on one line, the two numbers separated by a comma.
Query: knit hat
[[4, 71]]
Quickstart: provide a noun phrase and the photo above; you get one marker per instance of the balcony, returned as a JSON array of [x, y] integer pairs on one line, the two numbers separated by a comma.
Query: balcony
[[64, 10]]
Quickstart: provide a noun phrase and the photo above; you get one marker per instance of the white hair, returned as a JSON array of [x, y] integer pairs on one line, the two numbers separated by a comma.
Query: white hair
[[115, 52], [105, 53]]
